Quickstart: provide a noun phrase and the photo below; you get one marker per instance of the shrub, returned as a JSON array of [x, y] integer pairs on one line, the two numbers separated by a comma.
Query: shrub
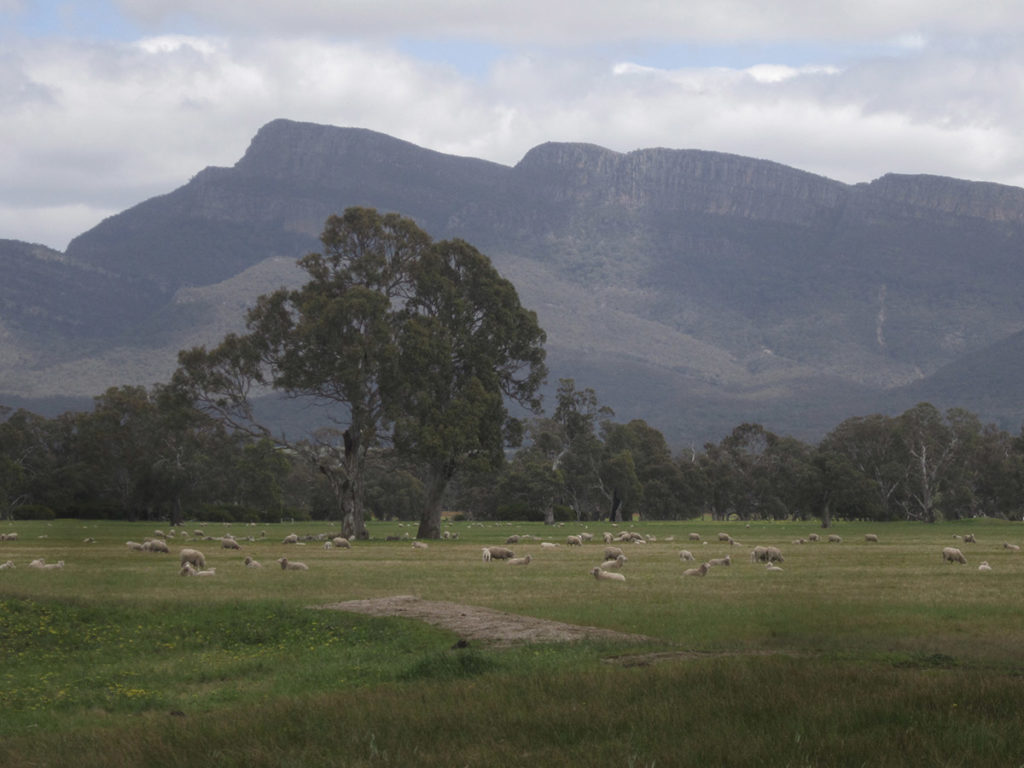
[[33, 512]]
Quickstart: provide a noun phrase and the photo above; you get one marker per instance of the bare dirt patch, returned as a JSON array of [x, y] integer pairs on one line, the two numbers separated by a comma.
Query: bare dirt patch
[[482, 624]]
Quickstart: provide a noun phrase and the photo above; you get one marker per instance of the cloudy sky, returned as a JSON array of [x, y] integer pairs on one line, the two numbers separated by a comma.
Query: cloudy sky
[[108, 102]]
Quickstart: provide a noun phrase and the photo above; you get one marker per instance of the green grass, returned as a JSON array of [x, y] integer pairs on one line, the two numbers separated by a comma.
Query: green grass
[[857, 654]]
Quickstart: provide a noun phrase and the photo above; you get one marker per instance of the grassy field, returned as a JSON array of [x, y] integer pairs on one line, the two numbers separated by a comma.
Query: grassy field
[[856, 654]]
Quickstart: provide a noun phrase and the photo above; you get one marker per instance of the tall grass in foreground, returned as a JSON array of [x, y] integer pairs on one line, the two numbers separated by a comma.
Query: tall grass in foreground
[[857, 654], [716, 711]]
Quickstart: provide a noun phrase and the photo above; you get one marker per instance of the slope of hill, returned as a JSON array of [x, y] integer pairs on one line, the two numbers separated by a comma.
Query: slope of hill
[[693, 289]]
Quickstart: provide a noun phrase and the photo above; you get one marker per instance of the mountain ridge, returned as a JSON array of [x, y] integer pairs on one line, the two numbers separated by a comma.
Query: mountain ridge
[[741, 287]]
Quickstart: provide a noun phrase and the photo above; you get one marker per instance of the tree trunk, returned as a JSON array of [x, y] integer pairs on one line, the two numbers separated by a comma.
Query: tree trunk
[[177, 518], [430, 519]]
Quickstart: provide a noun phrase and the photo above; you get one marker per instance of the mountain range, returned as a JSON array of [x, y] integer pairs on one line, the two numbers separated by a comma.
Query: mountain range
[[696, 290]]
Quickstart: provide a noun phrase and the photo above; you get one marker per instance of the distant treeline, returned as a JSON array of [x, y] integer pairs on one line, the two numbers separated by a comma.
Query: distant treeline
[[143, 455]]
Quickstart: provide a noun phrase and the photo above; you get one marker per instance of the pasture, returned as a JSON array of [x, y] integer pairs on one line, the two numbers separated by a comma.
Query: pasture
[[855, 654]]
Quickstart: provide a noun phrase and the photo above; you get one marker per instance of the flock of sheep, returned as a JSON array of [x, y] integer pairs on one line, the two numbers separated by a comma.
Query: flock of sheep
[[192, 562], [613, 558]]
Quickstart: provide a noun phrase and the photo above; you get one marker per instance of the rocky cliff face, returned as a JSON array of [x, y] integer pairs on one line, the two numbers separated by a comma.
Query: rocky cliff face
[[690, 287]]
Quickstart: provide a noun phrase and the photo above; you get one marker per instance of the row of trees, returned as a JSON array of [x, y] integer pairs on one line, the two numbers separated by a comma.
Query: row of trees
[[151, 455], [411, 351]]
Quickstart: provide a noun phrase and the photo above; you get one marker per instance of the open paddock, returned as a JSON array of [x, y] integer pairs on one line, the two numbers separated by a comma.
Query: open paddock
[[118, 633]]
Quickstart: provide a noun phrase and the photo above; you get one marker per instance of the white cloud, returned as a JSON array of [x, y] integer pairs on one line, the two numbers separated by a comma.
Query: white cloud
[[87, 129], [582, 21]]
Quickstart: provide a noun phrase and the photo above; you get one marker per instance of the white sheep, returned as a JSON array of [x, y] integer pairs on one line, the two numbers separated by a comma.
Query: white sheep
[[291, 566], [953, 555], [694, 537], [228, 542], [701, 570], [194, 557], [341, 542], [187, 570], [613, 565], [969, 538], [5, 566], [134, 545], [587, 536], [601, 575], [835, 539], [38, 563], [607, 537], [685, 554], [486, 555], [724, 537], [610, 553], [772, 567], [727, 560], [871, 537], [250, 563], [548, 545], [574, 541], [520, 560], [501, 553], [291, 538], [813, 537], [1011, 547], [984, 566], [207, 572], [59, 565], [420, 545]]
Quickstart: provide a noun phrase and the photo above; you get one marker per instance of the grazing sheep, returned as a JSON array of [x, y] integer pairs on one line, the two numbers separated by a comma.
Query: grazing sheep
[[194, 557], [601, 575], [513, 539], [520, 560], [871, 537], [587, 536], [835, 539], [685, 554], [984, 566], [727, 560], [9, 536], [5, 566], [291, 538], [229, 543], [953, 555], [574, 541], [198, 533], [187, 570], [610, 553], [607, 537], [761, 554], [134, 545], [694, 537], [969, 538], [290, 566], [487, 555], [250, 563], [613, 565], [341, 542], [501, 553], [699, 571], [813, 537], [724, 537], [1011, 547]]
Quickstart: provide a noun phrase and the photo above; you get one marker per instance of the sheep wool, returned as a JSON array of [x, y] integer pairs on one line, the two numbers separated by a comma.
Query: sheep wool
[[292, 566], [701, 570], [953, 555], [194, 557], [685, 554], [601, 575], [520, 560], [984, 566]]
